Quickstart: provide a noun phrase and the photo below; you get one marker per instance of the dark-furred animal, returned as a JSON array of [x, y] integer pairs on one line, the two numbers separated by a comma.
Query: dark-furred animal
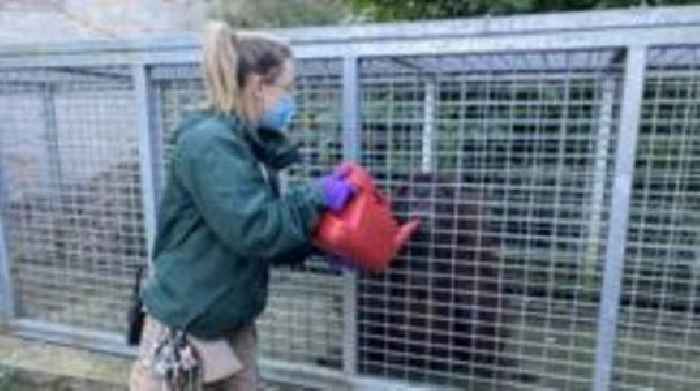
[[440, 307]]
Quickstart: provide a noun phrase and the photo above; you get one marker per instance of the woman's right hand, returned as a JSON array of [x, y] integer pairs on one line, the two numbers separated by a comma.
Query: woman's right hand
[[337, 190], [341, 264]]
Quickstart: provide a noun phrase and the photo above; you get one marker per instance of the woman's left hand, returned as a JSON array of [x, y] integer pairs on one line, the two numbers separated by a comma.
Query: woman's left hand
[[338, 191]]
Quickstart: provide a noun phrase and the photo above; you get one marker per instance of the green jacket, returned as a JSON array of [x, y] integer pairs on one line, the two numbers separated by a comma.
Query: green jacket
[[221, 225]]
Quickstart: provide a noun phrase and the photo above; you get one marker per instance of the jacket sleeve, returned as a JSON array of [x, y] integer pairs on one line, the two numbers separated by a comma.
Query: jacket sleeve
[[230, 191]]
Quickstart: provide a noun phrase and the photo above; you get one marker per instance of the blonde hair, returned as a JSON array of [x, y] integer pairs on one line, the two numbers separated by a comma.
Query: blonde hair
[[230, 58]]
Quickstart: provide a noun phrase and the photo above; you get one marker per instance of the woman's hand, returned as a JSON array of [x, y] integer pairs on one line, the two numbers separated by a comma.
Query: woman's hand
[[340, 264], [337, 190]]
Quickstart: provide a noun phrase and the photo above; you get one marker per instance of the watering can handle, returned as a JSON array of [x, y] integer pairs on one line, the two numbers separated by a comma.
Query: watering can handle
[[381, 198]]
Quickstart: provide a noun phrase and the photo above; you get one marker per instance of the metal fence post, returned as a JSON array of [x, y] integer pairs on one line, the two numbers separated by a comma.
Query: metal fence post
[[600, 173], [143, 110], [7, 301], [54, 181], [155, 110], [351, 151], [619, 215]]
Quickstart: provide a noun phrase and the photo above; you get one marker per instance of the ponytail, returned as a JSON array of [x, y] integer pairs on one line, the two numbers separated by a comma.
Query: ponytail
[[227, 61], [220, 66]]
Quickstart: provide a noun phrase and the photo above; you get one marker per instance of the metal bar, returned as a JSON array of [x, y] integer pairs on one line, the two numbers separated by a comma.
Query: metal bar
[[351, 151], [83, 72], [157, 133], [408, 64], [303, 375], [143, 110], [7, 301], [426, 45], [323, 379], [600, 172], [366, 383], [53, 161], [71, 336], [100, 59], [619, 215], [351, 109], [428, 126], [472, 75], [479, 74], [567, 40]]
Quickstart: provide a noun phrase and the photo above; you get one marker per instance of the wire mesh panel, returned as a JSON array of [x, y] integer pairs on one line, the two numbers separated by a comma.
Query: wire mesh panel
[[658, 344], [308, 324], [72, 201], [507, 160], [176, 91], [303, 322]]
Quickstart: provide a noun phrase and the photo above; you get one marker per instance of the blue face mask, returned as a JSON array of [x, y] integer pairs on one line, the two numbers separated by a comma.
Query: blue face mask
[[280, 115]]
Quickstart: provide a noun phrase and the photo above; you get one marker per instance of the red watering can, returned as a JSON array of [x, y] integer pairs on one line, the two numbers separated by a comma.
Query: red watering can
[[365, 231]]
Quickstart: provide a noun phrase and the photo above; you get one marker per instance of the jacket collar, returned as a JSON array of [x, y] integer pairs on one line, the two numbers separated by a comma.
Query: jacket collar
[[273, 148]]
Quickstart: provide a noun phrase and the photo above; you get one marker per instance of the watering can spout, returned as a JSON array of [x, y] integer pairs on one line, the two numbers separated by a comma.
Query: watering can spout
[[405, 233]]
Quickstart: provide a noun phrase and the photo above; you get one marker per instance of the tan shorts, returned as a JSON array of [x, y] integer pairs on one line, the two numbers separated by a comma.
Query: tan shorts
[[243, 342]]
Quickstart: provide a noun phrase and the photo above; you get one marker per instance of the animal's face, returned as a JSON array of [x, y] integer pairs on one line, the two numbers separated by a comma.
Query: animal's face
[[452, 218], [442, 204]]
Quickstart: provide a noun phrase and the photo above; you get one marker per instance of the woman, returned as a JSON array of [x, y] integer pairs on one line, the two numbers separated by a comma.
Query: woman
[[221, 221]]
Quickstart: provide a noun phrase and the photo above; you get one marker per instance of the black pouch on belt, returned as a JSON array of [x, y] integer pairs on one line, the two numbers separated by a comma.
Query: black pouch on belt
[[137, 314]]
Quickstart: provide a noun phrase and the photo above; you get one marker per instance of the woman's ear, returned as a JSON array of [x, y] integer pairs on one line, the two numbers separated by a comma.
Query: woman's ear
[[253, 98], [254, 85]]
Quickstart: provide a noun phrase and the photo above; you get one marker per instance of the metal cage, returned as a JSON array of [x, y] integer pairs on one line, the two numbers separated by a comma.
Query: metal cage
[[551, 159]]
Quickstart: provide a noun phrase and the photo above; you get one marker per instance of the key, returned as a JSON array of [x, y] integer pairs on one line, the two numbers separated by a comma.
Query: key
[[188, 359]]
